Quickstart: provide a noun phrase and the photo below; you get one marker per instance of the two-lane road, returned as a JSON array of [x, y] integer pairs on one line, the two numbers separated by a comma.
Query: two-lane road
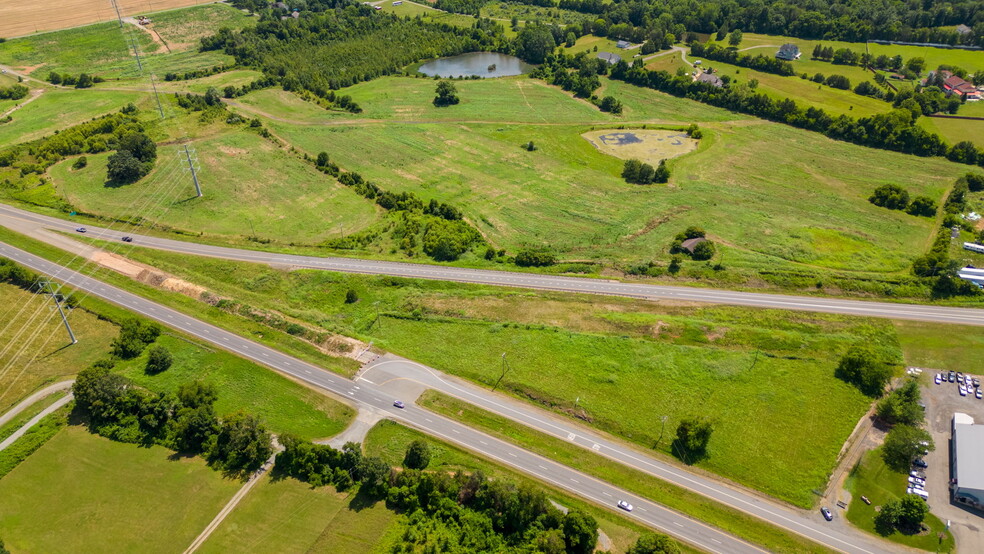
[[940, 314], [363, 393]]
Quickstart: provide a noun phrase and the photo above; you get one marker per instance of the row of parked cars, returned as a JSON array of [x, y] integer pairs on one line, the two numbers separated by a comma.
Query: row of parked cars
[[966, 384], [917, 479]]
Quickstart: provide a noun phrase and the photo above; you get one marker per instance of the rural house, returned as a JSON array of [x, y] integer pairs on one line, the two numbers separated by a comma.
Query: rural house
[[622, 44], [710, 79], [690, 244], [963, 29], [788, 51], [612, 59], [960, 87]]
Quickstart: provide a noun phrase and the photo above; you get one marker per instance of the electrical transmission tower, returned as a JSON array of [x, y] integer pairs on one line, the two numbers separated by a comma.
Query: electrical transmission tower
[[192, 161], [49, 288]]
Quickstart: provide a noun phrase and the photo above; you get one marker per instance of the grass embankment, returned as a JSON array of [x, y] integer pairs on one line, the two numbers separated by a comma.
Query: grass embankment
[[32, 439], [34, 346], [108, 496], [694, 505], [285, 406], [873, 479], [765, 377], [253, 187], [389, 441], [287, 515]]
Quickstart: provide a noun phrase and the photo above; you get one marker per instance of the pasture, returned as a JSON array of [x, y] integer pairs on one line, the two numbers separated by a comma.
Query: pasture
[[303, 519], [34, 346], [107, 496], [251, 187], [22, 18], [58, 109], [810, 208], [284, 406]]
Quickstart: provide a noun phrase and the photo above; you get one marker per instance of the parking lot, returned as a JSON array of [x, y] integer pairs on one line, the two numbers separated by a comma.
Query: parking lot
[[941, 402]]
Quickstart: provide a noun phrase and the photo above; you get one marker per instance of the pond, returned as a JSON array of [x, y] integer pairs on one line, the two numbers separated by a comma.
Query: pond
[[482, 64]]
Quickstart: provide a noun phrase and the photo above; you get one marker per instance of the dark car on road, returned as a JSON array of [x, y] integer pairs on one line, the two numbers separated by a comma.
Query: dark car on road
[[826, 514], [951, 377], [127, 239]]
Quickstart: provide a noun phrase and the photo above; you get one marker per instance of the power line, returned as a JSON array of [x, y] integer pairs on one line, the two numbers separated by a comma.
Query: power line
[[191, 167], [45, 288]]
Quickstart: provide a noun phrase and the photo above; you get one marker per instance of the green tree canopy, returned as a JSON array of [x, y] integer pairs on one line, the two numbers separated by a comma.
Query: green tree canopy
[[902, 405], [158, 359], [861, 367], [580, 532], [535, 43], [418, 455], [692, 437], [903, 444], [654, 543], [447, 94]]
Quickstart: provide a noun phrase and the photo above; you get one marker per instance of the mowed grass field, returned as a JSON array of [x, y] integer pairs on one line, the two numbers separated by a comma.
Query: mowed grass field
[[285, 406], [287, 515], [58, 109], [809, 207], [34, 346], [248, 184], [84, 493], [936, 346]]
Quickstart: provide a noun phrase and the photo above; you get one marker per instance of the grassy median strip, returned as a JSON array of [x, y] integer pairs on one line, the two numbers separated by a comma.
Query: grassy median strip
[[692, 504]]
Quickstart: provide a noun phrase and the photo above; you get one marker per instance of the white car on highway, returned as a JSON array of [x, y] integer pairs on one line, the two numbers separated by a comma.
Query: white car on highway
[[625, 505]]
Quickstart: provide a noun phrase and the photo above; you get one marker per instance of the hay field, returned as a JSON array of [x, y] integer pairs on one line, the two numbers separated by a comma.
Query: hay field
[[649, 146], [24, 18]]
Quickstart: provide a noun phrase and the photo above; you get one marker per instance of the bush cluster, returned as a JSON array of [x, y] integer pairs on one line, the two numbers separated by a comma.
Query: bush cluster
[[13, 92], [895, 197]]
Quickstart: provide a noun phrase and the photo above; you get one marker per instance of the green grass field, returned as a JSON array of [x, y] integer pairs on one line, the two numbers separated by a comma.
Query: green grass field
[[181, 29], [873, 479], [34, 347], [236, 78], [389, 440], [936, 346], [505, 11], [285, 406], [103, 49], [671, 496], [250, 186], [84, 493], [783, 437], [958, 130], [426, 13], [286, 515], [809, 210], [58, 109]]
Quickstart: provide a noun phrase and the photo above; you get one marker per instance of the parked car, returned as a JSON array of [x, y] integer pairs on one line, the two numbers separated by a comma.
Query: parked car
[[963, 390], [938, 379], [951, 378], [915, 481], [399, 404], [921, 493], [960, 377], [80, 230], [127, 239], [917, 473], [920, 463], [977, 382], [625, 505], [826, 514], [979, 394]]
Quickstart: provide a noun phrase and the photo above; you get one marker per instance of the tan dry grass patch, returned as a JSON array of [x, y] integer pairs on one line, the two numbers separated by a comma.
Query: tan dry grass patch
[[647, 145]]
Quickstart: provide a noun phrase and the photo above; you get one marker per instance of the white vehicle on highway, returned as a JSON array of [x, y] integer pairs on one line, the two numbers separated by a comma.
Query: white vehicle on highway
[[625, 505], [918, 492]]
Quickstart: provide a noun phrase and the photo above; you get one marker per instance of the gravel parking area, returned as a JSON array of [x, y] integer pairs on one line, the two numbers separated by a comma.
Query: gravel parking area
[[941, 402]]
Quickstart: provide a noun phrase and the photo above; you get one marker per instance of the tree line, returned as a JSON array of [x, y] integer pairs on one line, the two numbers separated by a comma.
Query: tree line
[[13, 92], [758, 62]]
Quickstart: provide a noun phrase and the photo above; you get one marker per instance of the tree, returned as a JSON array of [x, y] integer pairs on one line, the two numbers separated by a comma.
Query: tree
[[692, 436], [569, 40], [447, 94], [902, 405], [197, 394], [734, 38], [158, 359], [212, 97], [887, 518], [860, 367], [54, 78], [580, 532], [674, 266], [922, 206], [654, 543], [84, 81], [140, 145], [912, 511], [975, 182], [535, 43], [241, 443], [630, 170], [916, 65], [123, 167], [535, 258], [703, 250], [351, 297], [322, 160], [80, 163], [3, 549], [418, 455], [903, 444], [662, 174], [611, 104]]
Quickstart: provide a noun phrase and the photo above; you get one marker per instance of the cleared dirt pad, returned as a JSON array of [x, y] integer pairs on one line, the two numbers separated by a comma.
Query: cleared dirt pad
[[642, 144], [23, 18]]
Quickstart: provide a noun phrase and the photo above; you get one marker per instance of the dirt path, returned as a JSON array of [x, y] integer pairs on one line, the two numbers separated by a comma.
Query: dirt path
[[153, 34], [34, 421], [30, 400], [35, 93]]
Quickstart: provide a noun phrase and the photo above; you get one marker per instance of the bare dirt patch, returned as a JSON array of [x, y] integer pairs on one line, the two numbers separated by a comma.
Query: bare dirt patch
[[647, 145], [232, 151], [24, 18]]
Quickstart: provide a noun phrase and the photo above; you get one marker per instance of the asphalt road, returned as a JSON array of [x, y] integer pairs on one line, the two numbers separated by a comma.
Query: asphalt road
[[940, 314], [364, 394]]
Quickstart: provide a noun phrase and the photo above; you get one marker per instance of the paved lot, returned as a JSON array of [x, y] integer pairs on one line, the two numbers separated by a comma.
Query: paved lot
[[941, 402]]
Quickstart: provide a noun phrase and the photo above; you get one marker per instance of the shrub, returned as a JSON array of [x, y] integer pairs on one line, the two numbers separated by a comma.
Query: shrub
[[860, 368], [351, 297], [611, 104], [80, 163], [159, 359], [535, 258], [123, 167], [892, 197], [418, 455], [922, 206], [703, 251]]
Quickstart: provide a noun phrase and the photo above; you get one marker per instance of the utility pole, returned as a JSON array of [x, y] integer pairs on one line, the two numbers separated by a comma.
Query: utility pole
[[45, 289], [157, 96], [136, 53], [505, 368], [193, 169], [661, 429], [118, 16], [376, 322]]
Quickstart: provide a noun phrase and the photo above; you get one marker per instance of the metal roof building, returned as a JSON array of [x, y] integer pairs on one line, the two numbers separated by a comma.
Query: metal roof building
[[967, 453]]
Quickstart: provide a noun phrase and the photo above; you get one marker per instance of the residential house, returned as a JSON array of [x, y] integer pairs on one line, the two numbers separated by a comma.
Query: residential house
[[963, 29], [710, 79], [623, 44], [960, 87], [788, 51], [612, 59]]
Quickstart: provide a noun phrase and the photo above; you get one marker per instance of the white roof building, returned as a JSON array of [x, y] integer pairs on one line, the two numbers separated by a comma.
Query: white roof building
[[967, 453]]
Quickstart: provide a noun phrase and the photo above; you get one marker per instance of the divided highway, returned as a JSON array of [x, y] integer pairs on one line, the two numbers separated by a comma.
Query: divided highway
[[365, 394], [939, 314]]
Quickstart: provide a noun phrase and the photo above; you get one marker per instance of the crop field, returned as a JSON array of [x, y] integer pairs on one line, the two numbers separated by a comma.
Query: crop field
[[283, 405], [646, 145], [57, 109], [250, 185], [303, 519], [107, 496], [19, 18], [810, 208], [44, 341]]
